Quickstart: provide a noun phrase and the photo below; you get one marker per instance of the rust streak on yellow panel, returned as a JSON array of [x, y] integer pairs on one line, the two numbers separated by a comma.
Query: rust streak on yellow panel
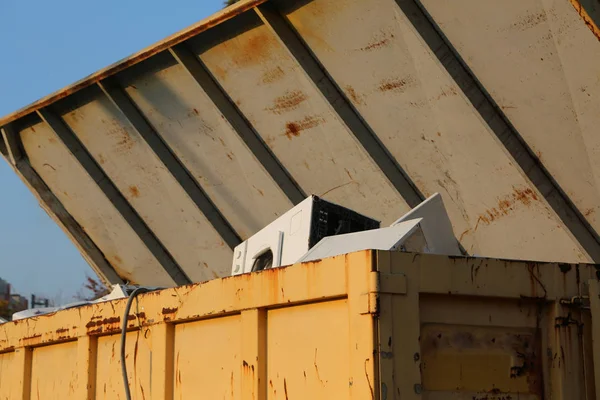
[[589, 22], [254, 354], [162, 337], [87, 348], [282, 286]]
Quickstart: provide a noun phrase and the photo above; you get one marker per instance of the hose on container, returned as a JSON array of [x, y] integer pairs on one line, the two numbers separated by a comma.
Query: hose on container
[[132, 296]]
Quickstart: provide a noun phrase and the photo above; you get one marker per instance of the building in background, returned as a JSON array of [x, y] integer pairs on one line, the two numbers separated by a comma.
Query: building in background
[[4, 290], [10, 303]]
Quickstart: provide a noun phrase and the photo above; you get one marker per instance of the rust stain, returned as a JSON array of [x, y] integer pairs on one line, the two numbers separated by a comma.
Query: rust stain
[[507, 204], [7, 349], [257, 47], [230, 156], [463, 234], [376, 45], [285, 389], [259, 191], [356, 98], [166, 311], [117, 259], [134, 191], [589, 22], [349, 174], [529, 21], [132, 317], [105, 321], [589, 212], [293, 129], [524, 196], [220, 72], [317, 370], [395, 84], [272, 75], [135, 353], [62, 330], [447, 93], [101, 159], [287, 102]]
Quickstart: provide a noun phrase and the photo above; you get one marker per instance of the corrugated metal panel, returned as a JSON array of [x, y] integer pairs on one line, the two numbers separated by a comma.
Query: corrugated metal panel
[[357, 326], [160, 164]]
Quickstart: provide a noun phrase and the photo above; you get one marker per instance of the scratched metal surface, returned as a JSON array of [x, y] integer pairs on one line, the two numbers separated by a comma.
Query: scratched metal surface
[[81, 196], [368, 103]]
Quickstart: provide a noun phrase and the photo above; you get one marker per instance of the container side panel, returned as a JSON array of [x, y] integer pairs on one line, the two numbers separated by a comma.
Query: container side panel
[[84, 200], [468, 352], [207, 359], [420, 114], [294, 119], [308, 351], [54, 372], [9, 377], [109, 380], [150, 188], [204, 141], [539, 61]]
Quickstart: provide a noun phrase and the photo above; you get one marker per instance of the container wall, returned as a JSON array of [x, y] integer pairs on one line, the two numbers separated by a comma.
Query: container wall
[[486, 329], [297, 332], [394, 326]]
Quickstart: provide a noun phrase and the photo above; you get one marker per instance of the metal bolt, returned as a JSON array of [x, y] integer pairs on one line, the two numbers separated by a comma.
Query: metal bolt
[[417, 357], [418, 388]]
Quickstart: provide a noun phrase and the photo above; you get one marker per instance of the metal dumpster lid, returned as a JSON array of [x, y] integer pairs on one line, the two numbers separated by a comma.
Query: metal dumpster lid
[[158, 165]]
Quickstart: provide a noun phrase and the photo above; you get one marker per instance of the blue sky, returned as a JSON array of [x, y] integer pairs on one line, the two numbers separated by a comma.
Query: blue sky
[[46, 46]]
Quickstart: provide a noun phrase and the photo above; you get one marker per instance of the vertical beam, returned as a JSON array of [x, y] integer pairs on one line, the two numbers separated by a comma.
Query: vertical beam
[[594, 288], [162, 361], [55, 209], [12, 145], [117, 199], [22, 364], [87, 351], [254, 354], [125, 105], [363, 358], [406, 327], [240, 125], [3, 149], [290, 39], [499, 124]]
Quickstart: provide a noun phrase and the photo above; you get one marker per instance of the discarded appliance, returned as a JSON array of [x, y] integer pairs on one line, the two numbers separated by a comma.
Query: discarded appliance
[[291, 235], [317, 229]]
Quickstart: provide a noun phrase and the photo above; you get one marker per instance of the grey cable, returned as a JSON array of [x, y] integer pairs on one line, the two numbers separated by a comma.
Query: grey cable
[[132, 296]]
